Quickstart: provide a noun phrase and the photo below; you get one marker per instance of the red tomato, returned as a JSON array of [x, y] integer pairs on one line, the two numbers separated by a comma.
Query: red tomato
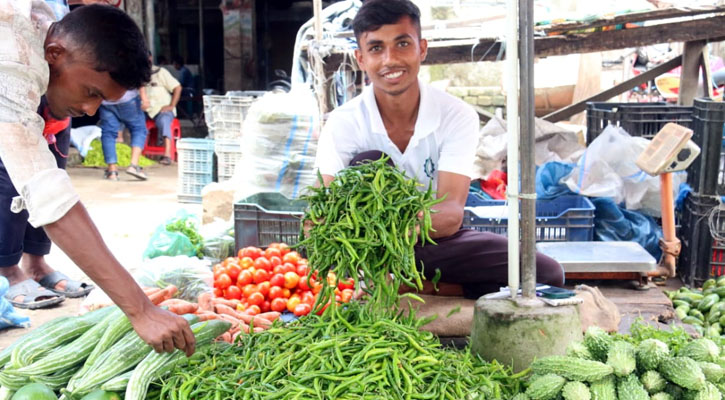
[[279, 304], [288, 267], [283, 248], [253, 310], [291, 279], [260, 275], [255, 253], [277, 280], [218, 292], [248, 290], [228, 260], [308, 298], [302, 285], [278, 269], [286, 293], [346, 295], [223, 281], [274, 292], [233, 292], [302, 309], [292, 257], [316, 287], [233, 271], [302, 270], [263, 288], [266, 306], [331, 279], [217, 270], [322, 310], [348, 283], [244, 278], [272, 252], [293, 302], [262, 263], [255, 299], [275, 261], [273, 245], [246, 262]]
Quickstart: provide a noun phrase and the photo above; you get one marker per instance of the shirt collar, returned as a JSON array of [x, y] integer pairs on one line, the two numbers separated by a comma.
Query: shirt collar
[[428, 114]]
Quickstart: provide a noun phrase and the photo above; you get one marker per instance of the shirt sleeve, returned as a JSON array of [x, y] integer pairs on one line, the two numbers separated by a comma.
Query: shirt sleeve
[[167, 80], [44, 189], [458, 149], [338, 143]]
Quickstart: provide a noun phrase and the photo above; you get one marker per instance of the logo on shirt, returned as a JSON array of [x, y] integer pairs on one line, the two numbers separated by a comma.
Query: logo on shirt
[[429, 167]]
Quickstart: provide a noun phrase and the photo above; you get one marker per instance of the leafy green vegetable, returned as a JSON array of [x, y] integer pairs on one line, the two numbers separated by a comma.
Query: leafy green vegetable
[[187, 227], [94, 158]]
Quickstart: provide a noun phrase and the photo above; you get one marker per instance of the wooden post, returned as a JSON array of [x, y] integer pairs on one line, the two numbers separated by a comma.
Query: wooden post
[[317, 61], [706, 73], [691, 55]]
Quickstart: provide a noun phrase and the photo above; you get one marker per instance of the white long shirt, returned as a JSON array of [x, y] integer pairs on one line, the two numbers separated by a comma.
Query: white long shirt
[[445, 136], [45, 190]]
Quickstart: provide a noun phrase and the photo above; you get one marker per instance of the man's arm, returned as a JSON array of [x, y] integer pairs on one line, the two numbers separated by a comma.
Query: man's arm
[[78, 237], [448, 214], [174, 100], [144, 98]]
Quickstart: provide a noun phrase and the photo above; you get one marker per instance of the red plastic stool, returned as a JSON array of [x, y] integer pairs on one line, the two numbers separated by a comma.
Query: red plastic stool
[[151, 149]]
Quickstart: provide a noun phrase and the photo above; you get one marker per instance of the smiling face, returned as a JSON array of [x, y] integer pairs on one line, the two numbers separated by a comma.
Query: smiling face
[[75, 88], [391, 56]]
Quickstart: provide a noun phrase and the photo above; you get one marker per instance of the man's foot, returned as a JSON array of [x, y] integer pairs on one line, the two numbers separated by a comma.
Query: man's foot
[[111, 175], [136, 172], [36, 267], [165, 160], [26, 293]]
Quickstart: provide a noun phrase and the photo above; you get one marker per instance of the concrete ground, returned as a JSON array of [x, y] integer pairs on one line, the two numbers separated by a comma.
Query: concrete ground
[[128, 212]]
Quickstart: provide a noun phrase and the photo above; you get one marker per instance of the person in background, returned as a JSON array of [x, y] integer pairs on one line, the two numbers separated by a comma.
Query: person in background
[[95, 52], [127, 111], [163, 92], [186, 80]]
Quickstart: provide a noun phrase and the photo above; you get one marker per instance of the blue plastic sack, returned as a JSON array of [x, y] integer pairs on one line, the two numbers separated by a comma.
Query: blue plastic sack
[[614, 223], [548, 180], [8, 316]]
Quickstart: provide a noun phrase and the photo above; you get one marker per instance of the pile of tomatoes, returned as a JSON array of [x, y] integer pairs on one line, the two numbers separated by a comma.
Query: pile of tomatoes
[[274, 279]]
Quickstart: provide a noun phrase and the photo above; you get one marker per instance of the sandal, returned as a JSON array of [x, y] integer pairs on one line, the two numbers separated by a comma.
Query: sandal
[[31, 292], [111, 175], [136, 172], [72, 289], [165, 160]]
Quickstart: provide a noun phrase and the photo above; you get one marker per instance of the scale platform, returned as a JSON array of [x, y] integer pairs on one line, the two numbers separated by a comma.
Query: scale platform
[[600, 260]]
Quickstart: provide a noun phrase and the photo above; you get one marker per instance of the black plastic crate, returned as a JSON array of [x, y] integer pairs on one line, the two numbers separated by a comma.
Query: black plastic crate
[[638, 119], [702, 256], [267, 218], [705, 175]]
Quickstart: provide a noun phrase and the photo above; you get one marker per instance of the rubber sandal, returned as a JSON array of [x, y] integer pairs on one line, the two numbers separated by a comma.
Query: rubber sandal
[[31, 291], [111, 175], [136, 172], [72, 289], [165, 160]]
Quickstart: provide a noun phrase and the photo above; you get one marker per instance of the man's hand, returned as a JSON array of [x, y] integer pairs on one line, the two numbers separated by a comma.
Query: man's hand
[[164, 331], [145, 105], [168, 108]]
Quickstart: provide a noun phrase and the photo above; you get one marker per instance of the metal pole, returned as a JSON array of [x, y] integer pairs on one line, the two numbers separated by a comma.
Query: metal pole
[[201, 44], [320, 78], [512, 127], [150, 27], [528, 167]]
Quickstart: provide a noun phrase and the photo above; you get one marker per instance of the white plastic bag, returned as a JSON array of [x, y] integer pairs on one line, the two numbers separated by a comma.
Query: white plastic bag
[[279, 144]]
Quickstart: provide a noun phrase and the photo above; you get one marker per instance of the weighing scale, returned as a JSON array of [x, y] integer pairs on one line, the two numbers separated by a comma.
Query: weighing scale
[[670, 150]]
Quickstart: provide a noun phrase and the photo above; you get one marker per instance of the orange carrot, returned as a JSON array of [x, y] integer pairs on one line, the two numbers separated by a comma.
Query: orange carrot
[[206, 316], [205, 302], [226, 336], [258, 329], [180, 307], [229, 303], [235, 336], [234, 321], [223, 309], [270, 316], [256, 321], [150, 290], [159, 296]]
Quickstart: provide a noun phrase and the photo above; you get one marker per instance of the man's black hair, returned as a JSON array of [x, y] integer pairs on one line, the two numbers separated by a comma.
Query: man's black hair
[[111, 39], [375, 13], [178, 59]]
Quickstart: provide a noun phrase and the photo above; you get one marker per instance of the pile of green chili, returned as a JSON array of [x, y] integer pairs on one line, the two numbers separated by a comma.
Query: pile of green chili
[[364, 225]]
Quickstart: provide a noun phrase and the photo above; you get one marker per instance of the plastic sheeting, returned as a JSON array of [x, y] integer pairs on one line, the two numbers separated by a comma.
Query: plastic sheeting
[[8, 316]]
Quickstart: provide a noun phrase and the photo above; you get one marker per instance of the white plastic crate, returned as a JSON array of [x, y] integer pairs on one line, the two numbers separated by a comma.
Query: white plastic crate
[[196, 168], [228, 153], [224, 115]]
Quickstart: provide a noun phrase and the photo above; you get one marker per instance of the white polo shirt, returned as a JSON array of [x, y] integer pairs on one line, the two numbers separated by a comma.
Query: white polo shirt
[[445, 136]]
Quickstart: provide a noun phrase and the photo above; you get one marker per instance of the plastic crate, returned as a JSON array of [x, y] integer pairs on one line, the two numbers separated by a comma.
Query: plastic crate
[[638, 119], [567, 218], [224, 115], [701, 257], [196, 168], [267, 218], [705, 174], [228, 152]]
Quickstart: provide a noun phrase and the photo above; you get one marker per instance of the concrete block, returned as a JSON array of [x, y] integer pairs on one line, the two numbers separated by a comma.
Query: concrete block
[[517, 332], [458, 91], [470, 99], [499, 100], [484, 100]]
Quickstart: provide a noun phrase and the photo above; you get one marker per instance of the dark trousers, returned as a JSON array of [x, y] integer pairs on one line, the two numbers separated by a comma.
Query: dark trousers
[[17, 236], [478, 261]]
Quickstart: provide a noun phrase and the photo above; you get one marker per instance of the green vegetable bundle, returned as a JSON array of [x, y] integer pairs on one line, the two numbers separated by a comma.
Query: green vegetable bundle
[[364, 225], [94, 157]]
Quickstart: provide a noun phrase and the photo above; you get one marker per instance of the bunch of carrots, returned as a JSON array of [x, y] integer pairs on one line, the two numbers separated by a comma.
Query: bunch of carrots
[[209, 307]]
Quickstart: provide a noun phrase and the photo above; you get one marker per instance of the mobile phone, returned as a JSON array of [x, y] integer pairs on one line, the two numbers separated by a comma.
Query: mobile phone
[[553, 292]]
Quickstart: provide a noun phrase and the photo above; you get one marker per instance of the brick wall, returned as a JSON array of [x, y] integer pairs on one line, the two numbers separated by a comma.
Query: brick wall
[[490, 98]]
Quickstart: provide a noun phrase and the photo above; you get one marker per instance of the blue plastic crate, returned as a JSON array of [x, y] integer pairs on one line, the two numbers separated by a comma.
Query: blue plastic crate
[[565, 219], [196, 168]]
